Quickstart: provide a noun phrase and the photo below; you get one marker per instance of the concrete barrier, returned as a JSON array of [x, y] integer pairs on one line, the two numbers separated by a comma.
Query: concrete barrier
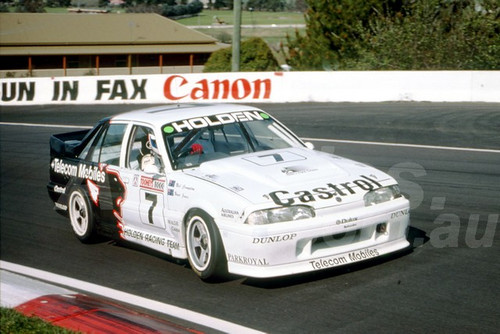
[[256, 87]]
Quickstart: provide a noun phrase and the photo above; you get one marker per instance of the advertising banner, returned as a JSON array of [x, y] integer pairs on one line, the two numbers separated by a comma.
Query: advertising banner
[[256, 87]]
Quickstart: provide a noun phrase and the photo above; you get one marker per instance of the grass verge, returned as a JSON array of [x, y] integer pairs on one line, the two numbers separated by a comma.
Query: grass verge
[[12, 321], [209, 17]]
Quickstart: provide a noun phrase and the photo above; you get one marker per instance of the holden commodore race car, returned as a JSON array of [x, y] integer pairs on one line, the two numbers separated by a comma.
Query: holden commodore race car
[[227, 187]]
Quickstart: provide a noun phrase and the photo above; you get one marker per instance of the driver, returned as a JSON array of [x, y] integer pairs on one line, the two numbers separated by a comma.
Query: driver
[[146, 157]]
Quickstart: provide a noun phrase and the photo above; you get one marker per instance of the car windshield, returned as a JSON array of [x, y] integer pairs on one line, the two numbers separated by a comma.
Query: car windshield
[[193, 141]]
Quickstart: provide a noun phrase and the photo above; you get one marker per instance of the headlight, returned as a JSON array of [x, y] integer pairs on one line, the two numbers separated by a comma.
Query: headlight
[[278, 215], [382, 195]]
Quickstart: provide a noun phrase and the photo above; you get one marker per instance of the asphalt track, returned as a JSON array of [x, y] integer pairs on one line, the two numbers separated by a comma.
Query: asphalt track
[[449, 166]]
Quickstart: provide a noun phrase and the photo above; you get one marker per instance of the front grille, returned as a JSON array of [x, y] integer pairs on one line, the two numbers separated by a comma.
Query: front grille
[[341, 239]]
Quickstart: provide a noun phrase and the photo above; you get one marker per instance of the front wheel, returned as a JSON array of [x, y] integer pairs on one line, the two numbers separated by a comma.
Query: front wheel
[[204, 246], [81, 216]]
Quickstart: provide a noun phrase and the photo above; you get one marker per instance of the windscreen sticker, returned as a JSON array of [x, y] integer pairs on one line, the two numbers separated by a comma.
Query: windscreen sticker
[[214, 120]]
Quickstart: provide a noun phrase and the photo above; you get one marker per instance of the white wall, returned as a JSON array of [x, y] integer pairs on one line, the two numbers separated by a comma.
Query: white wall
[[279, 87]]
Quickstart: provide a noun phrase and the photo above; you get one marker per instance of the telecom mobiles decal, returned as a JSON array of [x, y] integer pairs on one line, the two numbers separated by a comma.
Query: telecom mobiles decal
[[102, 182]]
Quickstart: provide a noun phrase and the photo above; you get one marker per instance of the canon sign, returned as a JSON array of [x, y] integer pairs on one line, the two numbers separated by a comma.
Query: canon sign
[[177, 87]]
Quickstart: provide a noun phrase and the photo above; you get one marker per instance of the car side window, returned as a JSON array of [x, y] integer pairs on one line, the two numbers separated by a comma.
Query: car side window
[[140, 154], [107, 150]]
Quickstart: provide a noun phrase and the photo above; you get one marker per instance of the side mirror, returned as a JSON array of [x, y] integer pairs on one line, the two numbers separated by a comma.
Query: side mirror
[[309, 145]]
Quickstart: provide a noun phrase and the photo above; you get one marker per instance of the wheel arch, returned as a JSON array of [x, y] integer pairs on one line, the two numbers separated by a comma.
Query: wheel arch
[[220, 267], [188, 213], [72, 186]]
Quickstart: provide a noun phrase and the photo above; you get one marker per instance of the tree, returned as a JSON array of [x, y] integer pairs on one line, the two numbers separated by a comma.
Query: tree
[[269, 5], [397, 34], [192, 8], [30, 6], [195, 7], [103, 3], [4, 6], [299, 5], [58, 3], [434, 35], [332, 31], [220, 4], [255, 56]]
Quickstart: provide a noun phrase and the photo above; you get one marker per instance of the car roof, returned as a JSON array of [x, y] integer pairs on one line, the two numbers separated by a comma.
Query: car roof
[[161, 115]]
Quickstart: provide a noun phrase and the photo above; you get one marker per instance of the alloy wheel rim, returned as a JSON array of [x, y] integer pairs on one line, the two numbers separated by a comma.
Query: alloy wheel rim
[[79, 216], [199, 244]]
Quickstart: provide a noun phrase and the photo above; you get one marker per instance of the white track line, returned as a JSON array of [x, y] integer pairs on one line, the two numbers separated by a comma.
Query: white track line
[[450, 148], [153, 305], [48, 125], [339, 141]]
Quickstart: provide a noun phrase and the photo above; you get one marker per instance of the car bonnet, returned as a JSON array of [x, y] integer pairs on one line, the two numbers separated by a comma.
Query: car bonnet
[[293, 176]]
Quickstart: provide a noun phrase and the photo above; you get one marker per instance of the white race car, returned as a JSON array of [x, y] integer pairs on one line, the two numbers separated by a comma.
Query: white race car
[[227, 187]]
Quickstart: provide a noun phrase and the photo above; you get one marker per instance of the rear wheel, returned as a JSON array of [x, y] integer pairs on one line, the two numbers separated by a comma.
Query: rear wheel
[[81, 216], [204, 246]]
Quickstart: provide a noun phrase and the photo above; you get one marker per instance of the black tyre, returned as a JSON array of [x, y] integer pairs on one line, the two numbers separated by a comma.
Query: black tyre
[[81, 216], [204, 246]]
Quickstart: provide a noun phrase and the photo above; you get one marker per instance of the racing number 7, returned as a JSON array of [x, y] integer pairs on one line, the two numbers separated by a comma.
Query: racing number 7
[[154, 199]]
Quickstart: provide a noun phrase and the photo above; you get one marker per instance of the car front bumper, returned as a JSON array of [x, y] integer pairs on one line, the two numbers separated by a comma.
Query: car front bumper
[[314, 244]]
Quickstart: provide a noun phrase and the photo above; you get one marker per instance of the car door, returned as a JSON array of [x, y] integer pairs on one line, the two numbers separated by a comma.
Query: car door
[[145, 201]]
